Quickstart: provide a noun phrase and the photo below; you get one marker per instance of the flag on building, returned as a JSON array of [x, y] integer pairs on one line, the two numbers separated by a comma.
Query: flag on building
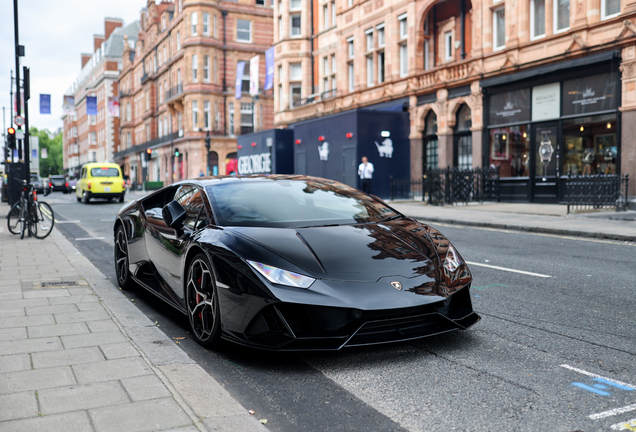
[[45, 104], [15, 102], [91, 105], [69, 105], [269, 68], [240, 68], [254, 69], [44, 153], [113, 106]]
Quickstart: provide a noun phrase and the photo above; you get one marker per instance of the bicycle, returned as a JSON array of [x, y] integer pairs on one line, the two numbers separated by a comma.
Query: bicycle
[[29, 214]]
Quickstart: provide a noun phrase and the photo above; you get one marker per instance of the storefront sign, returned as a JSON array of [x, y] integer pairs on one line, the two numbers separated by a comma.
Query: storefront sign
[[546, 102], [510, 107], [255, 164], [589, 94]]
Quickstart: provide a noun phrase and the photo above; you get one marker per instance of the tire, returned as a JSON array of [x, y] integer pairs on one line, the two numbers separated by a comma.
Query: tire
[[122, 264], [43, 220], [202, 302], [121, 198], [14, 219], [78, 198], [85, 198]]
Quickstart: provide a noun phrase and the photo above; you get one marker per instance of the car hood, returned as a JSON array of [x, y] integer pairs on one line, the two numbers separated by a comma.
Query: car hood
[[358, 253]]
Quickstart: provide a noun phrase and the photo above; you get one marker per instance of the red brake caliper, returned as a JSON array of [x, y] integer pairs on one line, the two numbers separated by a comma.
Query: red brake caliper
[[199, 298]]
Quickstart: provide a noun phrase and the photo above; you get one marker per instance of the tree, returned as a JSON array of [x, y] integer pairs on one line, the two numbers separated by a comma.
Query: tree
[[53, 145]]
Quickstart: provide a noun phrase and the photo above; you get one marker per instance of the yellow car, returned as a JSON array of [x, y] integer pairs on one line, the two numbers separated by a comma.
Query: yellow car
[[100, 180]]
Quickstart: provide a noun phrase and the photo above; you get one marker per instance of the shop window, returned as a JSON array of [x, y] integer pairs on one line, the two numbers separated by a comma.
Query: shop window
[[610, 8], [510, 150], [463, 139], [561, 15], [537, 18], [590, 145]]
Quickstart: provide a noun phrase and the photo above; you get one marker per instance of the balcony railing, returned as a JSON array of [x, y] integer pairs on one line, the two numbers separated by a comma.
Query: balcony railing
[[173, 92], [140, 148], [144, 78], [315, 98]]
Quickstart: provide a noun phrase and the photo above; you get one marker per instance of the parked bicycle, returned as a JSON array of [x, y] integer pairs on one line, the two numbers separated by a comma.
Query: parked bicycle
[[30, 215]]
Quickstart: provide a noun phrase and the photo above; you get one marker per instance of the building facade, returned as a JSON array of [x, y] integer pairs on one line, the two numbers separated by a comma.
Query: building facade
[[542, 89], [177, 87], [95, 138]]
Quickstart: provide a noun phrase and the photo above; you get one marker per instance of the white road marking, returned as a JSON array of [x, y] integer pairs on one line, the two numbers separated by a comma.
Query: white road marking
[[89, 238], [613, 412], [507, 269], [593, 375], [628, 425], [66, 221]]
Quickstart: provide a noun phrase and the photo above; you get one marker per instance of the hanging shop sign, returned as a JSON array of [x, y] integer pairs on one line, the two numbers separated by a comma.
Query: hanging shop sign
[[590, 94], [510, 107], [546, 102]]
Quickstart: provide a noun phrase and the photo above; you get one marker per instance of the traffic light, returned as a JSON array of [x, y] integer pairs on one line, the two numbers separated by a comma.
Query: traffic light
[[11, 138], [207, 142], [148, 154], [176, 152]]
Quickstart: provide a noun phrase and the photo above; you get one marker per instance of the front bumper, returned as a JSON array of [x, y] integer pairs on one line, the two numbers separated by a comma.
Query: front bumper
[[298, 327]]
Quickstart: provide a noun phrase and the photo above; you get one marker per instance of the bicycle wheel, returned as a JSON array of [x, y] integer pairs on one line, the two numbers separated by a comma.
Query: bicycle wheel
[[23, 221], [14, 219], [44, 220]]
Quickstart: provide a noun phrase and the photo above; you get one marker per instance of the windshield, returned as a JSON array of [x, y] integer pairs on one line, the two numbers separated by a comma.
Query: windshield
[[104, 172], [293, 203]]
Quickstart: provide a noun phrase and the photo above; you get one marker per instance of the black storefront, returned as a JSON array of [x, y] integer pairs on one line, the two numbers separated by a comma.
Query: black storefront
[[545, 124], [266, 152]]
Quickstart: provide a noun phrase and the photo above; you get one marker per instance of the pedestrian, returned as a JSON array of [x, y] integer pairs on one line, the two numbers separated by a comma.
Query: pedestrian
[[365, 171], [201, 173]]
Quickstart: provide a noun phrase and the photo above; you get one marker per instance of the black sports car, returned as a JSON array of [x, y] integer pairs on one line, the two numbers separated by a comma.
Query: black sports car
[[291, 263]]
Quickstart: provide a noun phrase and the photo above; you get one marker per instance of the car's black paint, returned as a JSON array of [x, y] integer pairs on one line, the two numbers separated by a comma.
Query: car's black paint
[[352, 302]]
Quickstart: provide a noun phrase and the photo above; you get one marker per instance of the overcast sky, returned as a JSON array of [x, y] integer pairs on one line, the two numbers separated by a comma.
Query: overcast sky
[[54, 34]]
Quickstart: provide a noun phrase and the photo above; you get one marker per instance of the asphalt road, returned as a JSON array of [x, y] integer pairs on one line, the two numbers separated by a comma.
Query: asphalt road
[[552, 353]]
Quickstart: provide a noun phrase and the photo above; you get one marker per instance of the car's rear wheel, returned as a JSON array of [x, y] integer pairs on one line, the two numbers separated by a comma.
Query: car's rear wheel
[[122, 269], [85, 197], [202, 302]]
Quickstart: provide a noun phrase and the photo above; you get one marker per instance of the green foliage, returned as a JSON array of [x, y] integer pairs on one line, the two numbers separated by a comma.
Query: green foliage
[[53, 145]]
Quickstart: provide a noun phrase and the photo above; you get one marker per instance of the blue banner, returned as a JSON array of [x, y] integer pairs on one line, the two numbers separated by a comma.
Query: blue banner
[[91, 105], [269, 68], [240, 68], [45, 104]]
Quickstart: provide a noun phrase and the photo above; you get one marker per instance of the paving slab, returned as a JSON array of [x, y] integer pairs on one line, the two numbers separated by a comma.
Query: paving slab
[[72, 317], [14, 363], [145, 388], [47, 310], [57, 330], [111, 370], [15, 333], [73, 398], [70, 422], [92, 339], [14, 382], [30, 345], [18, 405], [119, 350], [140, 416], [67, 357]]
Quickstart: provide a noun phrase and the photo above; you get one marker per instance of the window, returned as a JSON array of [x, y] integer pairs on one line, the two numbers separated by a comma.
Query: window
[[404, 60], [294, 26], [333, 13], [231, 120], [193, 23], [610, 8], [349, 3], [350, 49], [370, 71], [93, 119], [537, 18], [206, 68], [127, 112], [369, 34], [280, 28], [325, 16], [448, 46], [217, 117], [243, 31], [294, 5], [195, 114], [147, 100], [163, 23], [214, 72], [207, 115], [178, 78], [214, 26], [245, 85], [93, 138], [499, 28], [381, 67], [380, 29], [403, 27], [295, 72], [295, 93], [280, 97], [247, 118], [561, 15], [260, 2], [160, 129], [178, 41], [206, 24], [165, 56], [351, 77], [194, 68], [128, 139]]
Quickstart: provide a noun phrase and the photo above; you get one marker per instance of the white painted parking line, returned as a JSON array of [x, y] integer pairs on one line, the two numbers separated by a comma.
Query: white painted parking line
[[89, 238], [591, 374], [507, 269], [613, 412], [66, 221], [628, 425]]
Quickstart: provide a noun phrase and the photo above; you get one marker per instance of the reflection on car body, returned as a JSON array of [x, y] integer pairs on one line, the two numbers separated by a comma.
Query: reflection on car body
[[291, 263]]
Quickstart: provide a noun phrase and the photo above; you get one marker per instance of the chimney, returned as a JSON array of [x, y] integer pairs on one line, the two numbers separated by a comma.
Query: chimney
[[110, 24], [86, 58], [98, 40]]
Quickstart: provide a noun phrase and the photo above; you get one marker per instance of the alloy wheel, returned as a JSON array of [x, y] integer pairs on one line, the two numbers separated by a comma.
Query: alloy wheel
[[202, 302]]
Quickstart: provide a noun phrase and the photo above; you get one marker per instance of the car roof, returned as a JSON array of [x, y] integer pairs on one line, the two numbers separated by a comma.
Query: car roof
[[100, 164], [216, 180]]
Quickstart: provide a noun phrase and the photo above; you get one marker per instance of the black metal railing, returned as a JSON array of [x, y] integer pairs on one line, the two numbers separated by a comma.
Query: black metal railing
[[314, 98], [449, 186], [596, 192], [174, 91], [144, 77]]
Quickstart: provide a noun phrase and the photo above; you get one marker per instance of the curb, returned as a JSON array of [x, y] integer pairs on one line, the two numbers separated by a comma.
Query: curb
[[556, 231], [203, 399]]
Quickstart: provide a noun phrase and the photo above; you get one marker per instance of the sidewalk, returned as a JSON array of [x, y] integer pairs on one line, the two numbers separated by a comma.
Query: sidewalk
[[543, 218], [77, 355]]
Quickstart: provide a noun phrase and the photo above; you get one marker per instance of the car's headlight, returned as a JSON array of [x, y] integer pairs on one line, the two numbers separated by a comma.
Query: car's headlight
[[282, 277], [451, 262]]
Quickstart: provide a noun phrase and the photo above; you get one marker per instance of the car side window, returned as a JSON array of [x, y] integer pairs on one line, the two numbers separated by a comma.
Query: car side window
[[195, 208]]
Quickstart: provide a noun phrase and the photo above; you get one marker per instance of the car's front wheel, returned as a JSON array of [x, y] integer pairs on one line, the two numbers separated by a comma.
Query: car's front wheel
[[202, 301], [122, 269]]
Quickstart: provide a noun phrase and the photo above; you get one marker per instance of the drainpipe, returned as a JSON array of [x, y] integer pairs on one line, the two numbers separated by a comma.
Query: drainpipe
[[311, 17], [224, 14], [462, 12], [434, 35]]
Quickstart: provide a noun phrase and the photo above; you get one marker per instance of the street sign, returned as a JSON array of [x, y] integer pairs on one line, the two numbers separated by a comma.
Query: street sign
[[19, 134], [18, 120]]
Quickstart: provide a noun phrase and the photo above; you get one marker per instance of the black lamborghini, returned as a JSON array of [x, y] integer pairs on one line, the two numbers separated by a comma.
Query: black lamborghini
[[291, 263]]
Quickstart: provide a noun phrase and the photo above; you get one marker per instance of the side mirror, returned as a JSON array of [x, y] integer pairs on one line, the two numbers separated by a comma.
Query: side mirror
[[174, 214]]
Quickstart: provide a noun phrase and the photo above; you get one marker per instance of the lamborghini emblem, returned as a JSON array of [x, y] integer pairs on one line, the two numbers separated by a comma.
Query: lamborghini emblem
[[397, 285]]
